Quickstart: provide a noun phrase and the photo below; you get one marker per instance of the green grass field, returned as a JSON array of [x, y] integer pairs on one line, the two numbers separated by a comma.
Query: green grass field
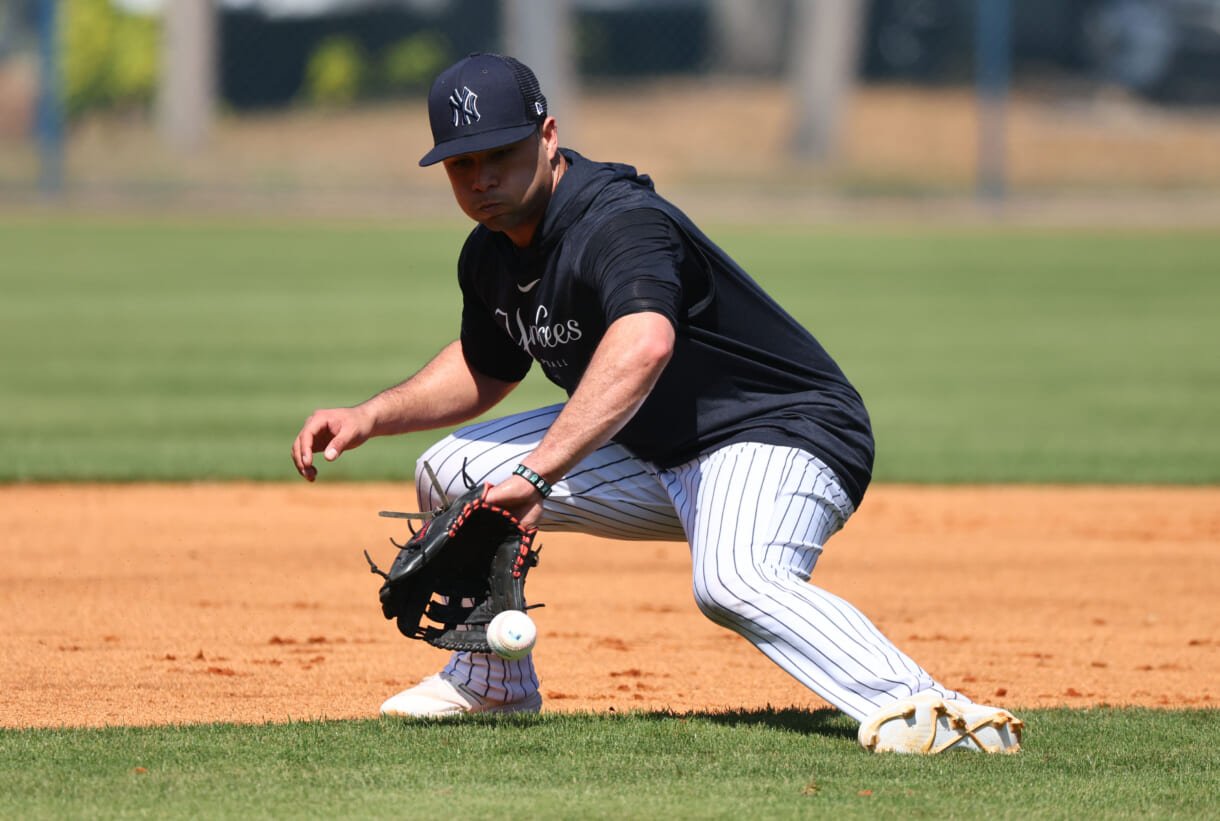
[[170, 350], [167, 350], [788, 764]]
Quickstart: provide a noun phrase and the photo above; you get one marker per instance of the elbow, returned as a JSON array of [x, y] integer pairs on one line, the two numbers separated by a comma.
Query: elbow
[[657, 348], [639, 343], [490, 392], [657, 355]]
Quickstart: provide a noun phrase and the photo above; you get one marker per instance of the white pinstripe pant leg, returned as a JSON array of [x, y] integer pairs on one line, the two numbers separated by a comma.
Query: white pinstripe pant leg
[[610, 493], [757, 516]]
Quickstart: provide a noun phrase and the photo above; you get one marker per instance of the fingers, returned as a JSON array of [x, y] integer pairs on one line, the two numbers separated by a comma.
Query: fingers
[[316, 434], [329, 432], [337, 445], [531, 518], [302, 455], [345, 434]]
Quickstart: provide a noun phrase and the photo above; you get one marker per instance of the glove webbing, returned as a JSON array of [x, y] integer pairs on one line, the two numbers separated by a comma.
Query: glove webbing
[[524, 554]]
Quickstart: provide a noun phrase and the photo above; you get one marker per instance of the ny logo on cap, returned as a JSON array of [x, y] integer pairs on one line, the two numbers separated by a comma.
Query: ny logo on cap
[[465, 106]]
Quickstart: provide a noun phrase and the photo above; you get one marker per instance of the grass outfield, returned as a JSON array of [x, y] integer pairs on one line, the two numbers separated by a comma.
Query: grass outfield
[[168, 350], [1085, 763]]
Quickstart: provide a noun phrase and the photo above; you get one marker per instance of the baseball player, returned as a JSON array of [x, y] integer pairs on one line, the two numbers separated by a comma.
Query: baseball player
[[697, 409]]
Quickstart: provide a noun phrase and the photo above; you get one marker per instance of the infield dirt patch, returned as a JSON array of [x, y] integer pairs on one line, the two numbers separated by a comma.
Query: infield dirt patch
[[144, 604]]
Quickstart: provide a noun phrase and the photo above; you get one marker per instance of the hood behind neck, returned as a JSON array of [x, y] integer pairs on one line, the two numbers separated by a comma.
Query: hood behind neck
[[581, 184]]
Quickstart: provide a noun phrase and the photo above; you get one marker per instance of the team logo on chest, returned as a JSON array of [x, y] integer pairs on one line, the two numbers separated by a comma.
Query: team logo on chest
[[542, 333], [465, 105]]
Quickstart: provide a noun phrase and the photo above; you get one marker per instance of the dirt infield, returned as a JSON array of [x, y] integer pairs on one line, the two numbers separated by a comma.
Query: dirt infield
[[145, 604]]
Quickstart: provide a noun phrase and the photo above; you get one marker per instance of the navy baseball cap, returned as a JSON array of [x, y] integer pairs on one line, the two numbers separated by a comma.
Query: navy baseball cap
[[482, 101]]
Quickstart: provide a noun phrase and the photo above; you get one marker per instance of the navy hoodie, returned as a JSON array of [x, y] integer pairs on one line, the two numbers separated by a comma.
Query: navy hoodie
[[742, 369]]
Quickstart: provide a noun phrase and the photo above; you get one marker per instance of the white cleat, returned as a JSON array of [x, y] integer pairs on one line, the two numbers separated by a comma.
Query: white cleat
[[927, 724], [439, 696]]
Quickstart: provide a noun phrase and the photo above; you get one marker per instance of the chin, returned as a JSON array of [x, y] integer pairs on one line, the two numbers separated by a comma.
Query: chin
[[496, 222]]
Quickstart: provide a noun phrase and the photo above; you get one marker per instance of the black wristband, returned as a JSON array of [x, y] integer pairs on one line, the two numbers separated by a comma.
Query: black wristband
[[534, 479]]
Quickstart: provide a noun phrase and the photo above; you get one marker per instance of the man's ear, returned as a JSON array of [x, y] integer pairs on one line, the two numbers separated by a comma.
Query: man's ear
[[550, 137]]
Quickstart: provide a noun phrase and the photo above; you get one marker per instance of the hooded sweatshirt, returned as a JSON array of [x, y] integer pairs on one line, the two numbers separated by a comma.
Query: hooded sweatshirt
[[742, 370]]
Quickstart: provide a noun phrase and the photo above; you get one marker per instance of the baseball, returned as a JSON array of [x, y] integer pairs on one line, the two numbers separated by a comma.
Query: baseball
[[512, 634]]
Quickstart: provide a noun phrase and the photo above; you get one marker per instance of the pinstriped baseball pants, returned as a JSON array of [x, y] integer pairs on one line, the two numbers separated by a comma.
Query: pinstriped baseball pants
[[756, 517]]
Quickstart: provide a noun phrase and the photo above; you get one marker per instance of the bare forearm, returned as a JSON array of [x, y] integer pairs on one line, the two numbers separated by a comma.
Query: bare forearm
[[445, 392], [623, 371]]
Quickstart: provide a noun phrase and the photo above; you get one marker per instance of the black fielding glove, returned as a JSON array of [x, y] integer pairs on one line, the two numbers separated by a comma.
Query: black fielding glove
[[466, 565]]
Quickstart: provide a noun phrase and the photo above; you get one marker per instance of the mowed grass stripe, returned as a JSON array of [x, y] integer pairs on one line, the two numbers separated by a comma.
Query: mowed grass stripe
[[174, 350], [774, 764]]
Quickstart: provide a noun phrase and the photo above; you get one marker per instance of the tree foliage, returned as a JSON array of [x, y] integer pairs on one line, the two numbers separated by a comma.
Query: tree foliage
[[110, 58], [412, 62], [336, 72]]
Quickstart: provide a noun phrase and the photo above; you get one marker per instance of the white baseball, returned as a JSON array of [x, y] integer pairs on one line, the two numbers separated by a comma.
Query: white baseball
[[512, 634]]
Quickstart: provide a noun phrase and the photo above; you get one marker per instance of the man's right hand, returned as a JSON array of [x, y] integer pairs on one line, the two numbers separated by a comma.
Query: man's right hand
[[329, 432]]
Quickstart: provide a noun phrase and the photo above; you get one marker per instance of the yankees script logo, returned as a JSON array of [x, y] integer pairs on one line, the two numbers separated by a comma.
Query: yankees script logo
[[541, 333], [465, 106]]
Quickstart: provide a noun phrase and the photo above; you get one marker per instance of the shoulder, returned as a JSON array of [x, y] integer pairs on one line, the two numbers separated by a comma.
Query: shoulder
[[645, 227], [644, 218]]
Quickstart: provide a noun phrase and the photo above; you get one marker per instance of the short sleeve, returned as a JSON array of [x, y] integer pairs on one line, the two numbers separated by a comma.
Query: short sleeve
[[635, 263], [488, 349], [486, 346]]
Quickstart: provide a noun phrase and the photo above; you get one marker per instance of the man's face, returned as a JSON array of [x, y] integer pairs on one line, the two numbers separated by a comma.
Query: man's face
[[507, 188]]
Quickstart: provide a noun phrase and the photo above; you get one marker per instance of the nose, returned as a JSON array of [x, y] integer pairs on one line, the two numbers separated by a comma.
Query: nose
[[485, 177]]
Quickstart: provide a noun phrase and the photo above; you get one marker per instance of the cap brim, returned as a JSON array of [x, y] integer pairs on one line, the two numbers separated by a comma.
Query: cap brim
[[478, 142]]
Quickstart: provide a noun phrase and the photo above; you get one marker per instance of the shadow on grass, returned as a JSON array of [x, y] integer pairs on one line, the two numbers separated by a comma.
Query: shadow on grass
[[825, 722]]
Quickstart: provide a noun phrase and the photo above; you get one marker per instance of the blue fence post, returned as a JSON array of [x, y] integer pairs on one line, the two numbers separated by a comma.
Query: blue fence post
[[49, 122], [993, 69]]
